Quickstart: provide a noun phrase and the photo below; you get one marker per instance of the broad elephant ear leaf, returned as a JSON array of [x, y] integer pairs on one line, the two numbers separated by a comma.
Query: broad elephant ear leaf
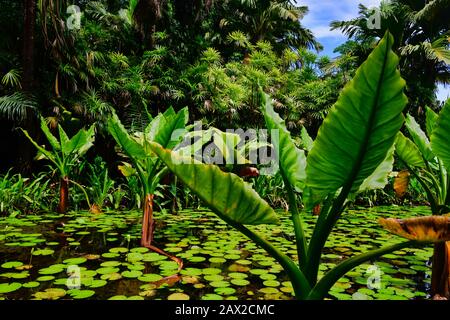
[[380, 177], [226, 194], [360, 129], [431, 119], [419, 137], [292, 160], [167, 128], [50, 137], [440, 140], [133, 149], [408, 152], [307, 141]]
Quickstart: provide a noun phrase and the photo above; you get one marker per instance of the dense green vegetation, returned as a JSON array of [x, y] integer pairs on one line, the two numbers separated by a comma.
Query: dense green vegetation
[[174, 106]]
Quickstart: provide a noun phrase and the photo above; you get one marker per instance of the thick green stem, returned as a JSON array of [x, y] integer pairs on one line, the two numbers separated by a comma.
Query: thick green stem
[[321, 289], [317, 244], [298, 226], [298, 279]]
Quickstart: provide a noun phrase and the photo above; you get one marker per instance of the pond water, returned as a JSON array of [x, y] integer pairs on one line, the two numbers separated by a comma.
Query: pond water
[[103, 253]]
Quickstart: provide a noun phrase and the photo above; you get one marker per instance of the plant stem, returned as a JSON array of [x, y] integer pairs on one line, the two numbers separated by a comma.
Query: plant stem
[[298, 226], [317, 243], [298, 279], [324, 285]]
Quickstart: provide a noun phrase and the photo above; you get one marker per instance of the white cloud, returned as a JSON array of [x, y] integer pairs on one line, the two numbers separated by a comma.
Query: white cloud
[[322, 12]]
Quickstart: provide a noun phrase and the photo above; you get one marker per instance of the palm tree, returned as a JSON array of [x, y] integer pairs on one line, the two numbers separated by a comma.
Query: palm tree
[[275, 21], [421, 32]]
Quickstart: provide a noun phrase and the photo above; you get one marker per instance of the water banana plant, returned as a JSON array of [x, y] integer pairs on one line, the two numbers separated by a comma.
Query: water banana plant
[[166, 129], [426, 156], [353, 152], [64, 155]]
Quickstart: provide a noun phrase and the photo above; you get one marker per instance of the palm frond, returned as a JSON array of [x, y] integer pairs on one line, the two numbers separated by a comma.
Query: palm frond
[[17, 106]]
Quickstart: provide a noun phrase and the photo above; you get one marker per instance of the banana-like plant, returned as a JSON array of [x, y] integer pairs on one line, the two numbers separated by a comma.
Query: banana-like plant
[[64, 155], [165, 129], [426, 156], [353, 152]]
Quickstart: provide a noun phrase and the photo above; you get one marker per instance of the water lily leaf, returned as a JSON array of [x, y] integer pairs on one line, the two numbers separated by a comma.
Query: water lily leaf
[[43, 252], [50, 294], [12, 264], [81, 294], [178, 296], [9, 287]]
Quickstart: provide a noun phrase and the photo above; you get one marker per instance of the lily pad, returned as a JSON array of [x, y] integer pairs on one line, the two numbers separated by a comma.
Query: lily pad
[[12, 264], [9, 287], [81, 294], [50, 294], [178, 296]]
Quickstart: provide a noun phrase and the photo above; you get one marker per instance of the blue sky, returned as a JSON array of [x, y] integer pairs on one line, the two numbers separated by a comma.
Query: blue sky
[[322, 12]]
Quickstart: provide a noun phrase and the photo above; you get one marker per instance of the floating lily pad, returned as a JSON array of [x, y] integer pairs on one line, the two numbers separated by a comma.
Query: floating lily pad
[[75, 261], [9, 287], [43, 252], [131, 274], [50, 294], [211, 296], [219, 284], [51, 270], [118, 250], [119, 297], [107, 270], [140, 250], [45, 278], [191, 272], [12, 264], [225, 291], [111, 276], [178, 296], [217, 260], [97, 283], [271, 283], [81, 294], [31, 284], [110, 264], [213, 277], [149, 277]]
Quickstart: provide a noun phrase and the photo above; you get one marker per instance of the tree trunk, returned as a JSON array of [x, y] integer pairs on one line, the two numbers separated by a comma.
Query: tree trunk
[[148, 222], [63, 195], [29, 20], [440, 277]]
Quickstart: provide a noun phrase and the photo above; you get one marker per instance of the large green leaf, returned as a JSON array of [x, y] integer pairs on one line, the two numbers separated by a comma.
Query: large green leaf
[[408, 152], [307, 141], [431, 119], [440, 140], [82, 141], [419, 137], [47, 154], [226, 194], [292, 160], [64, 140], [380, 177], [50, 137], [133, 149], [360, 129], [167, 128]]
